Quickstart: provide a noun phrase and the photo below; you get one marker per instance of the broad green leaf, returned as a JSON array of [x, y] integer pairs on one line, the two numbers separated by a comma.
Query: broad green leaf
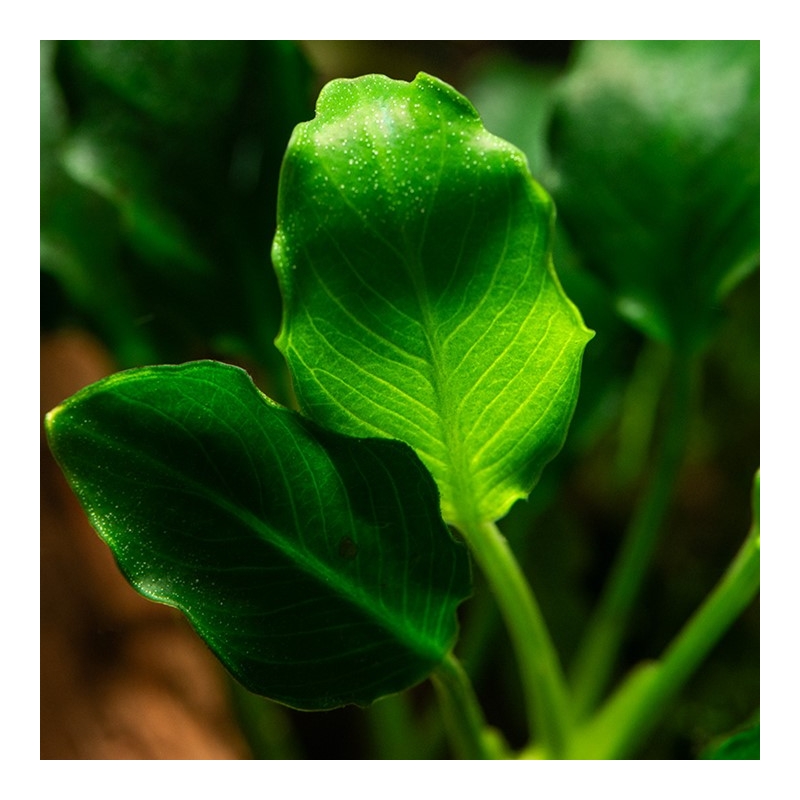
[[655, 149], [315, 566], [420, 300], [743, 746]]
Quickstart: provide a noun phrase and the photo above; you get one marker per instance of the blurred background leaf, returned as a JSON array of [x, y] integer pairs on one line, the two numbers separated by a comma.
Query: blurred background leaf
[[655, 171], [160, 168]]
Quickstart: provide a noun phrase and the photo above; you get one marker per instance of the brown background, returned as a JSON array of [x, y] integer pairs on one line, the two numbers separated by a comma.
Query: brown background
[[121, 677]]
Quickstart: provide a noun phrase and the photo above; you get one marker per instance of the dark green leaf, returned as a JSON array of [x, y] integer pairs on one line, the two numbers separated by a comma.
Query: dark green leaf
[[184, 140], [421, 304], [316, 566], [656, 153], [81, 244], [52, 116]]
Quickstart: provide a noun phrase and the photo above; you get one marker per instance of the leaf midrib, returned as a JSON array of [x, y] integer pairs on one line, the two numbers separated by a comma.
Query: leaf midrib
[[462, 493]]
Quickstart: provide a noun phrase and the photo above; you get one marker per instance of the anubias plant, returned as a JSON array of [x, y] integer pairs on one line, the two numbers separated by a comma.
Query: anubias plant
[[323, 555]]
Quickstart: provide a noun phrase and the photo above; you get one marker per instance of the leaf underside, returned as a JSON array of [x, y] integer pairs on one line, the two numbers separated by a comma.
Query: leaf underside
[[420, 301], [315, 566]]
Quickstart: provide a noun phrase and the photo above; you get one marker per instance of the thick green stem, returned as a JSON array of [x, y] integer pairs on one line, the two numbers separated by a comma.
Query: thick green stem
[[546, 699], [462, 713], [637, 706], [597, 656]]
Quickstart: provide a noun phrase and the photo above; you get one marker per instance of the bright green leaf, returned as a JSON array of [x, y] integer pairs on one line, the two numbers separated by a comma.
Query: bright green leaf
[[655, 148], [315, 566], [420, 300]]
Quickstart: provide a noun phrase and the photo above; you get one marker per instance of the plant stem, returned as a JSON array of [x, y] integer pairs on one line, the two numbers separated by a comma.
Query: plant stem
[[598, 653], [462, 713], [734, 592], [543, 683], [639, 411]]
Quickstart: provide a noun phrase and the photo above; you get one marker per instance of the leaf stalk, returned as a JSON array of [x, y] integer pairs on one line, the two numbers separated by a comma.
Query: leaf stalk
[[543, 682], [462, 713], [636, 707]]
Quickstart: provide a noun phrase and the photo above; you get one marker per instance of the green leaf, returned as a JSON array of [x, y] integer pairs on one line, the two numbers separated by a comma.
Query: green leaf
[[81, 246], [314, 565], [743, 746], [655, 147], [420, 300]]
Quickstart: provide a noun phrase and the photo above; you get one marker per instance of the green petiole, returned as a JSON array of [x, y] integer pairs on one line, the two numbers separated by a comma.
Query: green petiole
[[635, 708], [543, 682], [462, 713]]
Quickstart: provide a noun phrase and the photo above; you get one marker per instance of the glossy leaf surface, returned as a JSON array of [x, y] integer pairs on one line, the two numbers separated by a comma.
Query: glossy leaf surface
[[316, 566], [420, 301], [655, 147]]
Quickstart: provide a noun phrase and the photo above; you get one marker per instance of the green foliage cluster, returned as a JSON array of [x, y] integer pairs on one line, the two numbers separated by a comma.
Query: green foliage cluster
[[435, 362], [160, 162]]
